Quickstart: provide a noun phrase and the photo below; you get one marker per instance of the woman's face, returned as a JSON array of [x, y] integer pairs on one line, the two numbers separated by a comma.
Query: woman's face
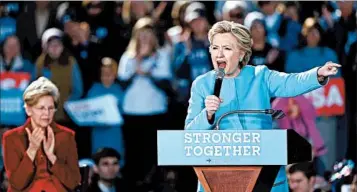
[[55, 48], [107, 76], [257, 30], [313, 37], [146, 40], [199, 25], [12, 47], [42, 113], [236, 15], [225, 52]]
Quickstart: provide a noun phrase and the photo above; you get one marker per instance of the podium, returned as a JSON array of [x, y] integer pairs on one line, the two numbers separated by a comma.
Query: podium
[[233, 160]]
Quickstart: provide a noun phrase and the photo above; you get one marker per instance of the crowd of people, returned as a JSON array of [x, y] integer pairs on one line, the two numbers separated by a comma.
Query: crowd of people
[[147, 54]]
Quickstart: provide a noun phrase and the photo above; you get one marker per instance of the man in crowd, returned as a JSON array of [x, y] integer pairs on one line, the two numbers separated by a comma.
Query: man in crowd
[[301, 177], [106, 171]]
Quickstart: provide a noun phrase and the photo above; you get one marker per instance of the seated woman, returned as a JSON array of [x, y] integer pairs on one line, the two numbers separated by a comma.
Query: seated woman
[[34, 159]]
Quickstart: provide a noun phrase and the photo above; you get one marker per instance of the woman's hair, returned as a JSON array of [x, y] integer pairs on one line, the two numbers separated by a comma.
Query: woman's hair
[[2, 45], [39, 88], [177, 9], [309, 24], [110, 63], [140, 25], [239, 31]]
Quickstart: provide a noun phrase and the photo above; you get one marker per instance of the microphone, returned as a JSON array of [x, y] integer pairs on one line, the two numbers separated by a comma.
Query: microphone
[[217, 87], [276, 114]]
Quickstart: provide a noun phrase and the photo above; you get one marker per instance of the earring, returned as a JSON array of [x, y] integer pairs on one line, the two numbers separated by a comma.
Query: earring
[[241, 59]]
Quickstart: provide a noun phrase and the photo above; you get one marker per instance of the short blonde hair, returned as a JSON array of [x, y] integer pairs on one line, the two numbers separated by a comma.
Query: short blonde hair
[[239, 31], [110, 63], [39, 88], [142, 24]]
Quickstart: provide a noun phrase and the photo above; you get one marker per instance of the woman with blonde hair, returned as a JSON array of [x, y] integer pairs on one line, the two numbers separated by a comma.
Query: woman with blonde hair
[[144, 72], [244, 86], [108, 135], [41, 155]]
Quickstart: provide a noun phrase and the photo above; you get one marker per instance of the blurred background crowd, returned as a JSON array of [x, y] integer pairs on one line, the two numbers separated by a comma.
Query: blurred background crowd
[[146, 54]]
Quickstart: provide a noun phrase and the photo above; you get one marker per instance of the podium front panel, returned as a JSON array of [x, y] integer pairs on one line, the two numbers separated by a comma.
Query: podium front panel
[[222, 147]]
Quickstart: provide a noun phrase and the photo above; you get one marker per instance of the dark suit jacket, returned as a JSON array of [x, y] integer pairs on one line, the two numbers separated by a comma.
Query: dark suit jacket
[[26, 32], [20, 169], [120, 185]]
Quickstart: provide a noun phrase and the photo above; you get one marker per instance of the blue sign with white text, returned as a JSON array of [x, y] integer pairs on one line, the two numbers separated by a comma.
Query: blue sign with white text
[[12, 112], [223, 147]]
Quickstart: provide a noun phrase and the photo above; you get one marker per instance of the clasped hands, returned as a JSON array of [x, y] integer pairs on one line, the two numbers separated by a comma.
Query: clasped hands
[[36, 138]]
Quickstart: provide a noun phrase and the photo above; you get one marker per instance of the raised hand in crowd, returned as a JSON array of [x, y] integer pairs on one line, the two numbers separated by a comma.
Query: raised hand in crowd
[[158, 11], [326, 14], [272, 56]]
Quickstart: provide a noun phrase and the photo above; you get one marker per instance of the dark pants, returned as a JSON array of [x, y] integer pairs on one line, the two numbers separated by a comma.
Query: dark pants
[[140, 138]]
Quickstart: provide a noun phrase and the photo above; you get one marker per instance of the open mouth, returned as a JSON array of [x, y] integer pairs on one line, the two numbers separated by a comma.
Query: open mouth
[[221, 64]]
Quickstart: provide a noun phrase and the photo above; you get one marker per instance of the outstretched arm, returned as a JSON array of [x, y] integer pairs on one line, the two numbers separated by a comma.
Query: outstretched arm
[[290, 85]]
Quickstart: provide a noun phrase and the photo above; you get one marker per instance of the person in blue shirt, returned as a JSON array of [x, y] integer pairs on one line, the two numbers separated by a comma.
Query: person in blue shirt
[[312, 54], [245, 87], [11, 59], [108, 136]]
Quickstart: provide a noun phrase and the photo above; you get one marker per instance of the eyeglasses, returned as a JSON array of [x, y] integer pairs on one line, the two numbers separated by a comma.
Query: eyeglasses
[[44, 109]]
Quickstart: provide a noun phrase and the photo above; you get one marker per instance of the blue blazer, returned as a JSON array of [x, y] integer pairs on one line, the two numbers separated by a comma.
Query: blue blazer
[[251, 89]]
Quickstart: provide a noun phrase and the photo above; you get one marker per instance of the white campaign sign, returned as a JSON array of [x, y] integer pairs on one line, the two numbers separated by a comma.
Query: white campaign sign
[[96, 111]]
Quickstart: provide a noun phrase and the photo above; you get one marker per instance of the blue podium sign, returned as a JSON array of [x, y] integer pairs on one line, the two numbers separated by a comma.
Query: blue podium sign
[[222, 147]]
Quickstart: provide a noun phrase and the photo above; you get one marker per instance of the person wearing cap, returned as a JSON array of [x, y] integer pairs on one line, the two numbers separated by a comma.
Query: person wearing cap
[[108, 136], [190, 56], [41, 155], [245, 87], [57, 64], [263, 53], [234, 11]]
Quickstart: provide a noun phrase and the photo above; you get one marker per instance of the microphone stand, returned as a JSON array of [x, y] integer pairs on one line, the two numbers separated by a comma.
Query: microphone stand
[[276, 114]]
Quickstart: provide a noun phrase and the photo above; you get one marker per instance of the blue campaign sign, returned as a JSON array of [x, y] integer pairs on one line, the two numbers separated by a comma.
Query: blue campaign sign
[[222, 147], [12, 112]]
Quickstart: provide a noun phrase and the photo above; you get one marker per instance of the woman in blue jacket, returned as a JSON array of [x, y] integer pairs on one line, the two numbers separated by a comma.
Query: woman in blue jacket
[[245, 87], [108, 136]]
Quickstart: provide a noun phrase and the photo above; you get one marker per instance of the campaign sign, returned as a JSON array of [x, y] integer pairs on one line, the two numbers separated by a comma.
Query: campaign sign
[[12, 86], [11, 80], [12, 112], [222, 147], [329, 100], [95, 111]]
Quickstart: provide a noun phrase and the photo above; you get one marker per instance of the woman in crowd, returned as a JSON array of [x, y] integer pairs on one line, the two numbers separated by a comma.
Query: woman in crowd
[[108, 136], [11, 59], [41, 155], [312, 53], [263, 53], [144, 72], [57, 64]]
